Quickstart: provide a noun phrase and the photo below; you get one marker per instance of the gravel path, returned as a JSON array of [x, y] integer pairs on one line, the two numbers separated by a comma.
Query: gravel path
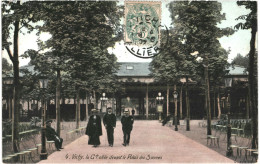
[[150, 143]]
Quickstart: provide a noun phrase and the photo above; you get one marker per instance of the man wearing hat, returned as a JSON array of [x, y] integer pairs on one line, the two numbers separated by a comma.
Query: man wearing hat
[[109, 121], [127, 126], [94, 129], [51, 135]]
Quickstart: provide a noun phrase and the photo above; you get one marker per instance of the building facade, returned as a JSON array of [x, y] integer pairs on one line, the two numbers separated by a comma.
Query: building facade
[[138, 92]]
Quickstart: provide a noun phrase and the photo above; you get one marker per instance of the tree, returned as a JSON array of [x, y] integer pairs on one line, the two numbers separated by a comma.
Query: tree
[[241, 60], [173, 63], [6, 67], [16, 18], [251, 23], [81, 33], [196, 21]]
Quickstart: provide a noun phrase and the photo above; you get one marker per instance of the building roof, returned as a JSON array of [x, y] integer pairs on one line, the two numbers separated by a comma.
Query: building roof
[[142, 69], [129, 69], [133, 69]]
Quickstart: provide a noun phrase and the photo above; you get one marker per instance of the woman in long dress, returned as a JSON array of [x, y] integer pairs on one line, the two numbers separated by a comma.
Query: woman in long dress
[[94, 129]]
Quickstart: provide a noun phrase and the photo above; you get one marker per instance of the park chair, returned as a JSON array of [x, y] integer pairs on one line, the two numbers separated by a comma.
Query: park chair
[[234, 129], [203, 123], [235, 147], [251, 151], [248, 137], [183, 123], [50, 145], [255, 156], [214, 139], [241, 128]]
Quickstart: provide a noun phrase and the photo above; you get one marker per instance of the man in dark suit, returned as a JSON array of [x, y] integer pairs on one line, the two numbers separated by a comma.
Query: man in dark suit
[[51, 135], [133, 112], [127, 126], [109, 121], [94, 129]]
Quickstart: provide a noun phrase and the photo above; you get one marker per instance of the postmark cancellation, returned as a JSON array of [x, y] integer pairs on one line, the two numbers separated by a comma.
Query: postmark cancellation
[[142, 23]]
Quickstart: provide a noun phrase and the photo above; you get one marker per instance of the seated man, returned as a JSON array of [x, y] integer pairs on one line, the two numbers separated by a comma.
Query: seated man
[[51, 135]]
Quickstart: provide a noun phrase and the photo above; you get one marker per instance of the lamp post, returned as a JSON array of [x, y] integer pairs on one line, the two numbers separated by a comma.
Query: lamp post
[[43, 85], [175, 95], [103, 99], [160, 106], [228, 84]]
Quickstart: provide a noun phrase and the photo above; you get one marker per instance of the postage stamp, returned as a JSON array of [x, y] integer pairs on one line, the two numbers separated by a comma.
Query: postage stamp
[[142, 23]]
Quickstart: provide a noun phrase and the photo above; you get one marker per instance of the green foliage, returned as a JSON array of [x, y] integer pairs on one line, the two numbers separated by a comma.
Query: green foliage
[[6, 67], [174, 62], [81, 33], [195, 30], [249, 17], [241, 60]]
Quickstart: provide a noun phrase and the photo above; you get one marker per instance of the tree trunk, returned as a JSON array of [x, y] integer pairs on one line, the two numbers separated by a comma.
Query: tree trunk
[[10, 107], [147, 102], [58, 86], [95, 100], [181, 101], [247, 106], [16, 90], [219, 107], [207, 95], [77, 109], [175, 104], [251, 85], [187, 106], [214, 107], [167, 105], [87, 102]]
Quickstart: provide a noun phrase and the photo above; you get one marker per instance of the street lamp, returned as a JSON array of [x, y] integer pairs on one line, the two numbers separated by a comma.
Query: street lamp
[[43, 85], [160, 106], [103, 99], [175, 95], [228, 84]]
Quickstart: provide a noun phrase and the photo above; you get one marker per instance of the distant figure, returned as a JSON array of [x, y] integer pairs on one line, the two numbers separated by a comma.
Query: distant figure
[[133, 112], [109, 121], [51, 135], [127, 126], [166, 119], [94, 129]]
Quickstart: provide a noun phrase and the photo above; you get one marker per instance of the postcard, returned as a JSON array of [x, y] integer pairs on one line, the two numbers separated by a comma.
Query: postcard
[[133, 81]]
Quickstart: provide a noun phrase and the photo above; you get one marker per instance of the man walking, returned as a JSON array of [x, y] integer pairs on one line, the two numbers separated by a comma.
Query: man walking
[[94, 129], [109, 121], [127, 126], [51, 135]]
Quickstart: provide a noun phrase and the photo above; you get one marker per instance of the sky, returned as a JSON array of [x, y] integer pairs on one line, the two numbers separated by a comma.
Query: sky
[[238, 42]]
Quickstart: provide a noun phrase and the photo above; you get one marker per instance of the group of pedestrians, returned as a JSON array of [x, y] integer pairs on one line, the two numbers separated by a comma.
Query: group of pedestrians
[[94, 128]]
